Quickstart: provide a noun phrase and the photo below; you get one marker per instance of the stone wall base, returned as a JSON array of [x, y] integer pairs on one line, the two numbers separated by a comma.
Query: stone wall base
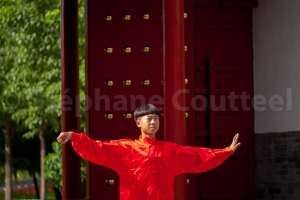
[[277, 165]]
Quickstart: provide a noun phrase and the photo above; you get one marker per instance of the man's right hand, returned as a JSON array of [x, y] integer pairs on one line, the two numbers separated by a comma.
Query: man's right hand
[[64, 137]]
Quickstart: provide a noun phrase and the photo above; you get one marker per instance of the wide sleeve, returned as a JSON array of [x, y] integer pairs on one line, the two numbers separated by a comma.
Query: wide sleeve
[[197, 159], [102, 153]]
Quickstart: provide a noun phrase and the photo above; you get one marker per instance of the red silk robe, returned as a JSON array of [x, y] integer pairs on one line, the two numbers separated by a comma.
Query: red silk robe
[[147, 167]]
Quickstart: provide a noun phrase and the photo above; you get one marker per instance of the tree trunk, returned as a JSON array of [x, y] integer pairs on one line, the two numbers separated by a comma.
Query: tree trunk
[[8, 133], [36, 187], [42, 157], [8, 167], [57, 193]]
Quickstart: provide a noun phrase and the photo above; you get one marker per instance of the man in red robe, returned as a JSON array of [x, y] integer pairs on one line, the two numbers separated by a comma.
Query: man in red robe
[[147, 167]]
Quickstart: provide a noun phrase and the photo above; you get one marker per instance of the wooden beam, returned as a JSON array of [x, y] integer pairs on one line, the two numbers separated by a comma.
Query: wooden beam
[[174, 97], [71, 175]]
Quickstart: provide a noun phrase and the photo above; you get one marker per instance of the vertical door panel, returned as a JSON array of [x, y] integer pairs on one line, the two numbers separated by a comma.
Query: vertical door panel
[[221, 78], [117, 67]]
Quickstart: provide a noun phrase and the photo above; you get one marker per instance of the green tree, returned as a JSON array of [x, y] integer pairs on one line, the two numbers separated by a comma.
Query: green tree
[[53, 171], [30, 59], [41, 113], [30, 74], [53, 167], [26, 157], [9, 83]]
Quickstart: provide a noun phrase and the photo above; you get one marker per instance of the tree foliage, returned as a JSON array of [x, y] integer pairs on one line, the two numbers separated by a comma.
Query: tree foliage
[[39, 44], [30, 72], [54, 166], [30, 69]]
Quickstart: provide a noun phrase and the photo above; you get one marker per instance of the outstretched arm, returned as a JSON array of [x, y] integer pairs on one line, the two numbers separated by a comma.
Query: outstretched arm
[[102, 153], [197, 159]]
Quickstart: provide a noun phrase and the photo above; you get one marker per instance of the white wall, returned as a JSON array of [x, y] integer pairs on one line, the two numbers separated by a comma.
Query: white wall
[[276, 38]]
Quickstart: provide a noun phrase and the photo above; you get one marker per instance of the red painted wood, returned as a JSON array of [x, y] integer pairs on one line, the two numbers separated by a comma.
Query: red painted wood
[[137, 65], [228, 3], [174, 75], [118, 66], [89, 177], [250, 115], [224, 34], [241, 3], [71, 179], [212, 94], [189, 41]]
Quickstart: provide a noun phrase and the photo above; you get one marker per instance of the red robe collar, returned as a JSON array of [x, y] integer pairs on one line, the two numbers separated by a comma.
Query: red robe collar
[[147, 140]]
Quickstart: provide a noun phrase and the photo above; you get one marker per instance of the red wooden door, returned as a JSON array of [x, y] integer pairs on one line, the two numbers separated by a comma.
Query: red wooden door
[[223, 92], [218, 61], [124, 55]]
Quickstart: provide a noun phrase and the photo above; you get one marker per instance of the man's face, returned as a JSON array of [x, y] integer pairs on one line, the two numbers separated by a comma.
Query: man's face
[[149, 124]]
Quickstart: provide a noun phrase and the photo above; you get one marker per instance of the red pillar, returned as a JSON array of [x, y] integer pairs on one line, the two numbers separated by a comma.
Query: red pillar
[[174, 98], [71, 180]]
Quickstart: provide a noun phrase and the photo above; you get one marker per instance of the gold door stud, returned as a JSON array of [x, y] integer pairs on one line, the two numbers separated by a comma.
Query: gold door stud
[[109, 83], [108, 17], [109, 116], [127, 82], [127, 49], [108, 50], [126, 17]]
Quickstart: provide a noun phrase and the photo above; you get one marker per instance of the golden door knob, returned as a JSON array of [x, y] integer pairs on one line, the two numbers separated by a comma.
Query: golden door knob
[[108, 17], [186, 114], [127, 49], [108, 50], [145, 16], [127, 82], [186, 81], [110, 182], [145, 49], [127, 116], [126, 17], [109, 83], [185, 48], [109, 116], [187, 181], [146, 82], [185, 15]]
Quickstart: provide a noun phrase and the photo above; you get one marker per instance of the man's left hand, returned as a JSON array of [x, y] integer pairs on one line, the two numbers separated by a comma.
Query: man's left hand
[[235, 144]]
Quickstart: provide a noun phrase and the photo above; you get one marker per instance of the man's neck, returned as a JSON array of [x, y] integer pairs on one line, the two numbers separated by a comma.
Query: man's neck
[[148, 136]]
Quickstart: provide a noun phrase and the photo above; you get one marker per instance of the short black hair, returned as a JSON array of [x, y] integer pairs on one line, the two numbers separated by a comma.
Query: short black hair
[[145, 109]]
